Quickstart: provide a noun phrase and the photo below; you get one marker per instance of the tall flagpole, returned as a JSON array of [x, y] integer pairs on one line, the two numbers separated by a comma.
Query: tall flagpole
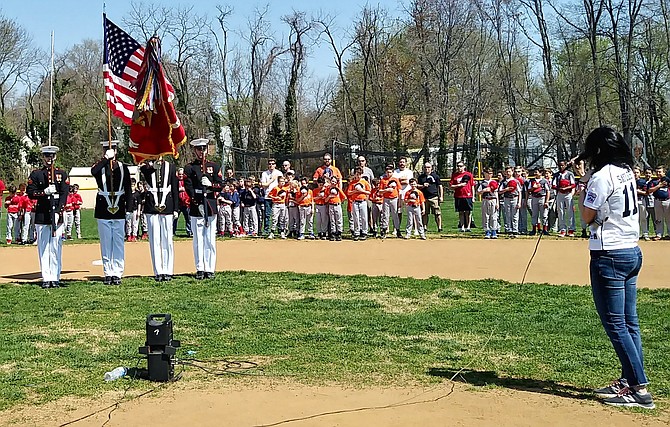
[[112, 209], [52, 169], [51, 91]]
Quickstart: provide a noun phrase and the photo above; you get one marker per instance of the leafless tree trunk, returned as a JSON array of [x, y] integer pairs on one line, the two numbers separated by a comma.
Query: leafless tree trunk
[[17, 57], [264, 51], [623, 16], [299, 29], [339, 53], [233, 89]]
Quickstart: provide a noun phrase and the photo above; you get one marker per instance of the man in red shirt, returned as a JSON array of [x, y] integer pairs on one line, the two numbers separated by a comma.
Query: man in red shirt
[[77, 203], [462, 182], [28, 209], [2, 190], [13, 205], [184, 203]]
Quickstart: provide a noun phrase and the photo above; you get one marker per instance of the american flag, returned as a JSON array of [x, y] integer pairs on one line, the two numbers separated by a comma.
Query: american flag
[[122, 61]]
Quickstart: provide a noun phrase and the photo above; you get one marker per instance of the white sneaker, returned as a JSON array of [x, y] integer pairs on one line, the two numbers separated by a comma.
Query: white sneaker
[[282, 235], [302, 237], [271, 236]]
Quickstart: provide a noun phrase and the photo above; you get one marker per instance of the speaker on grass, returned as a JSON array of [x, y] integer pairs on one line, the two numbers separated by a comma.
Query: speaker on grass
[[160, 347]]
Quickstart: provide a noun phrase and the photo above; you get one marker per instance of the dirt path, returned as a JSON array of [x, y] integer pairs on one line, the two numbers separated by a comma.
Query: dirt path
[[267, 402], [556, 261]]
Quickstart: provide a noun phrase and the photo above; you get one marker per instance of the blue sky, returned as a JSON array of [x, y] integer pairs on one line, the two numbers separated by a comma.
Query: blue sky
[[73, 21]]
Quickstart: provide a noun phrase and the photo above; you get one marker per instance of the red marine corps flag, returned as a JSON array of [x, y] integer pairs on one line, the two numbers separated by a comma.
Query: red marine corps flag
[[138, 92]]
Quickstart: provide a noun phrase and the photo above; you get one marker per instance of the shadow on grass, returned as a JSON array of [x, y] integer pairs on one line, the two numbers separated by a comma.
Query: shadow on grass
[[36, 275], [484, 378]]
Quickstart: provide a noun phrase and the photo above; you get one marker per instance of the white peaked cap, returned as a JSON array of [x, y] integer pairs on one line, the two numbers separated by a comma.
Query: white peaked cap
[[49, 149], [200, 142], [115, 143]]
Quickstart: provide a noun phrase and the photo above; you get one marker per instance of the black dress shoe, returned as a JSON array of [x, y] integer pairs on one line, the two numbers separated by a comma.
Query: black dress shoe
[[107, 280], [199, 275], [45, 285], [55, 284], [167, 277], [158, 278], [209, 275], [116, 280]]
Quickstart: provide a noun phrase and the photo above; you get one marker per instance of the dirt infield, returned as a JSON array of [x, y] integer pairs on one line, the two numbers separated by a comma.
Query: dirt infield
[[272, 401], [268, 403], [556, 261]]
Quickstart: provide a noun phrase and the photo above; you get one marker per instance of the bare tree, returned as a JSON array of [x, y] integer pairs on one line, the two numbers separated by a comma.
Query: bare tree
[[235, 90], [264, 51], [624, 17], [146, 20], [17, 57], [347, 100], [299, 29]]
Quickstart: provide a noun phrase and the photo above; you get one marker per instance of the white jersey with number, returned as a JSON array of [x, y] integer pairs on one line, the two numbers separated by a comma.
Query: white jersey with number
[[612, 192]]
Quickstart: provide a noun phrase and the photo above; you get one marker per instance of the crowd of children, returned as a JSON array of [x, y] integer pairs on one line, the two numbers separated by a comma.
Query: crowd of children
[[548, 197], [21, 217], [304, 210]]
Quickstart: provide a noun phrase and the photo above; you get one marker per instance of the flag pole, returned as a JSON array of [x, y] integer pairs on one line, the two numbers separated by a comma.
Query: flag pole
[[51, 87], [109, 117], [52, 169]]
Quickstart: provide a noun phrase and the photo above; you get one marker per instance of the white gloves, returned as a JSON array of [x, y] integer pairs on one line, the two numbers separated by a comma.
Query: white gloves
[[56, 218], [50, 190], [175, 215], [201, 209], [110, 154], [205, 182]]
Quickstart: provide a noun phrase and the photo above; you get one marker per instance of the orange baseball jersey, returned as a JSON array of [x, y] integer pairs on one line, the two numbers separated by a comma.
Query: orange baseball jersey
[[319, 195], [335, 195], [390, 185], [279, 194], [414, 197], [354, 190], [304, 197], [375, 197]]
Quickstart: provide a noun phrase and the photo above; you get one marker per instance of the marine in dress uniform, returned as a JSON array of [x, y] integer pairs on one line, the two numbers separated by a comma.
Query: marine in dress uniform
[[201, 183], [50, 189], [113, 179], [161, 206]]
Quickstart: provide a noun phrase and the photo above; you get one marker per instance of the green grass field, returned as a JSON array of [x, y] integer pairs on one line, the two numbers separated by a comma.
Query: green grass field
[[319, 328]]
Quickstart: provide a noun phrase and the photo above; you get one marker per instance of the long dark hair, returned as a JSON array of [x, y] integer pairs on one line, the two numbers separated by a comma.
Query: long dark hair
[[606, 146]]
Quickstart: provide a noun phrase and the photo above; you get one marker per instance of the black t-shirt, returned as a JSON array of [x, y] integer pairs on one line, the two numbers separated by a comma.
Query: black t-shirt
[[433, 180]]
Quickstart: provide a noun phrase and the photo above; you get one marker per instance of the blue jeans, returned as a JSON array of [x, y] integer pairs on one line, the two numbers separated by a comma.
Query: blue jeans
[[614, 286], [267, 216], [187, 220]]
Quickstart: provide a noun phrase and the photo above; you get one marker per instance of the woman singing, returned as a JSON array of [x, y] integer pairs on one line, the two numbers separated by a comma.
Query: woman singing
[[609, 206]]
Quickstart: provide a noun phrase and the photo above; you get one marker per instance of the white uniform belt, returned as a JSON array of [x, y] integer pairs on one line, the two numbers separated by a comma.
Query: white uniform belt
[[167, 189], [107, 193], [198, 191]]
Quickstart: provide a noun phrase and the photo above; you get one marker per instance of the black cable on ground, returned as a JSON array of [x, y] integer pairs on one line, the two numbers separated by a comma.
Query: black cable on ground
[[361, 409], [234, 367], [537, 244], [116, 404]]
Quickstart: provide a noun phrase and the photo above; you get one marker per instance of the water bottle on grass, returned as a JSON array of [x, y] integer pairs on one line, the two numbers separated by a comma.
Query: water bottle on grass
[[117, 373]]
